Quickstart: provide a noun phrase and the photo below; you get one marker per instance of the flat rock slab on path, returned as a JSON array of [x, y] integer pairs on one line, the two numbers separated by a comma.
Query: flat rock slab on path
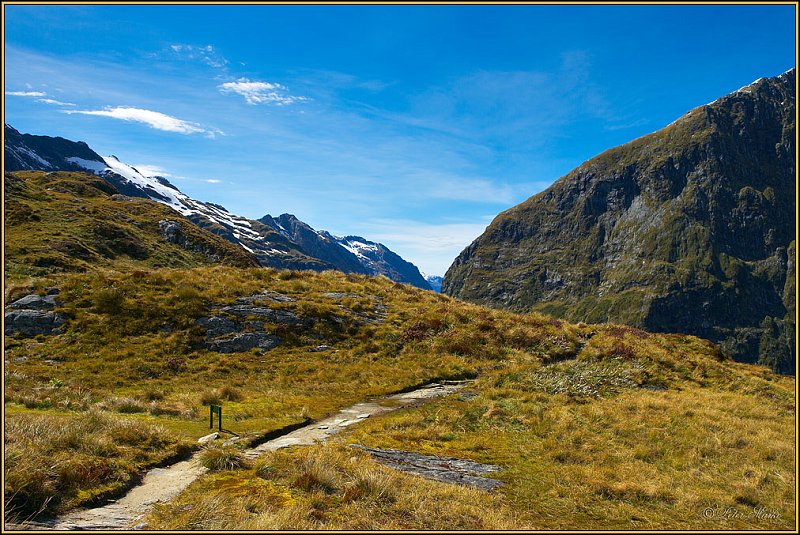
[[163, 484], [446, 469]]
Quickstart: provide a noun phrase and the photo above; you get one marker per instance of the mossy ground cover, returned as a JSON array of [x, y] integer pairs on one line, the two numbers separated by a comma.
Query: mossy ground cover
[[597, 425]]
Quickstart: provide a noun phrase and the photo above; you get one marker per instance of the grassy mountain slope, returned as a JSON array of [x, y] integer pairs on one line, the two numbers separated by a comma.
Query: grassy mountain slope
[[604, 401], [67, 221], [689, 229]]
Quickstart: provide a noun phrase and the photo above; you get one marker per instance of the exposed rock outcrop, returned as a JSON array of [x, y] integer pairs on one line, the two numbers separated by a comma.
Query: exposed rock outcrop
[[232, 329], [446, 469], [32, 315], [244, 342], [35, 302]]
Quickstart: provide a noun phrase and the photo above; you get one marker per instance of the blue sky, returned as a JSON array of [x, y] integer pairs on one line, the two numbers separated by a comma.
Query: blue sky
[[409, 125]]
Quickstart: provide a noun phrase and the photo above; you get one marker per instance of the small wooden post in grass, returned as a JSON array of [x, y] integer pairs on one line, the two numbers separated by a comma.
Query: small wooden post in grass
[[218, 410]]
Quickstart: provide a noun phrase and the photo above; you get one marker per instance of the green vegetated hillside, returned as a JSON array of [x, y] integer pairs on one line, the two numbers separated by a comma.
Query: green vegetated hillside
[[70, 221], [689, 229]]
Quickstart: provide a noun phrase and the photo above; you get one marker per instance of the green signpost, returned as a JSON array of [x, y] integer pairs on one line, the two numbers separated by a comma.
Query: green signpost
[[218, 410]]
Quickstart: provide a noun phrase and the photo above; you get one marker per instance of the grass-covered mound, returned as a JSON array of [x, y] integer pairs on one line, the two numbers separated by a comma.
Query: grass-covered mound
[[65, 222]]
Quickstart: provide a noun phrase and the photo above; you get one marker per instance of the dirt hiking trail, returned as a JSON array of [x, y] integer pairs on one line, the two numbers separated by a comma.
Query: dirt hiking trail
[[163, 484]]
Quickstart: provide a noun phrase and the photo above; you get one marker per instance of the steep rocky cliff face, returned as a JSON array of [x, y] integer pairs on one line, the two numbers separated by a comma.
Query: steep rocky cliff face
[[689, 229]]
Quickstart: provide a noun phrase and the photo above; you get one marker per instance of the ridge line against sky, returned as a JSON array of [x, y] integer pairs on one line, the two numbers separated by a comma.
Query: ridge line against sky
[[409, 125]]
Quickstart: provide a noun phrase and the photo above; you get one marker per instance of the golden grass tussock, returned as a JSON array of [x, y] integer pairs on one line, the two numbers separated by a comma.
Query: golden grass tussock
[[57, 461], [222, 458]]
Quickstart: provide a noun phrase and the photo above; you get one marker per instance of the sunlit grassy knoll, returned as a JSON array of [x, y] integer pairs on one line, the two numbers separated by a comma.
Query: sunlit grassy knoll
[[66, 222], [623, 430], [132, 348], [132, 345]]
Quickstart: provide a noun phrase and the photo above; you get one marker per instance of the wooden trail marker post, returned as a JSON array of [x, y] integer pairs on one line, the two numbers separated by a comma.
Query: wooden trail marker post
[[212, 410]]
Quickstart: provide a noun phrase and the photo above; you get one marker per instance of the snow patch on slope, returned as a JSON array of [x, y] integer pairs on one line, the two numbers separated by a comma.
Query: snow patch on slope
[[357, 248], [31, 154], [154, 188]]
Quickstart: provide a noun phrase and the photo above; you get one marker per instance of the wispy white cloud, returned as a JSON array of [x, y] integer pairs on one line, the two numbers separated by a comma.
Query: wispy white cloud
[[207, 54], [213, 181], [40, 96], [466, 189], [153, 119], [26, 94], [256, 92], [625, 126], [54, 102]]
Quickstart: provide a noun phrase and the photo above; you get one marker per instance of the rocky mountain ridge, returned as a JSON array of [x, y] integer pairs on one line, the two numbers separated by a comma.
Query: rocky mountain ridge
[[266, 239], [351, 254]]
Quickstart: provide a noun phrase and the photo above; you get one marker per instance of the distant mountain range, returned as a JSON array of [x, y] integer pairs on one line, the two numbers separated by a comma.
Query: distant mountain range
[[282, 242], [435, 281], [690, 229]]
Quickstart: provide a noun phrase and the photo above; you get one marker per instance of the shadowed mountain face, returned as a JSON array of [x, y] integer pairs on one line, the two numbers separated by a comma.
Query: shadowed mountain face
[[316, 244], [689, 229], [283, 242]]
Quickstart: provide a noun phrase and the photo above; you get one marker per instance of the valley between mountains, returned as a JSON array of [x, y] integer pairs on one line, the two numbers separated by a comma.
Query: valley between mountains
[[616, 341]]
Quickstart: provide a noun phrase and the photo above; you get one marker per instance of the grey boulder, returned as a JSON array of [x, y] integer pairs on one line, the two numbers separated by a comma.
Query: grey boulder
[[218, 326], [32, 322], [35, 302]]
